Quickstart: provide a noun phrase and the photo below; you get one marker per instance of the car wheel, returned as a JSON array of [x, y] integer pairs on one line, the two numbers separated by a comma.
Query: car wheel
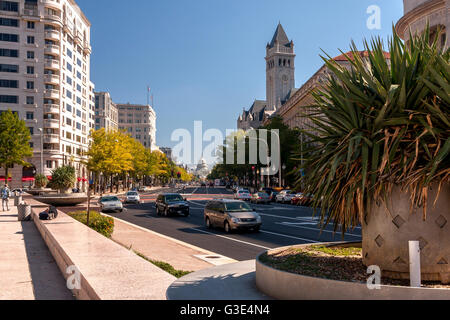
[[166, 212], [227, 227], [121, 210], [257, 229], [186, 214], [157, 211], [208, 223]]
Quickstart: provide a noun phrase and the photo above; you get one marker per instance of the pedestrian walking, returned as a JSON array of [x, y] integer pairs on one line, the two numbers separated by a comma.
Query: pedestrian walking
[[5, 194]]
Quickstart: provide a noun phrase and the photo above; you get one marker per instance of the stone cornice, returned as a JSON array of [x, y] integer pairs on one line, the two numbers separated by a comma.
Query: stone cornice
[[420, 11]]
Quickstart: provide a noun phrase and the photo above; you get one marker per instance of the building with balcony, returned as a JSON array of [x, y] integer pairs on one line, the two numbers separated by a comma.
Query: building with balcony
[[45, 72], [106, 112], [139, 121], [417, 13]]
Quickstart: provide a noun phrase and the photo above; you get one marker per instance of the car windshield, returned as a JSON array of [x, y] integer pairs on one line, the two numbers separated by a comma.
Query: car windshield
[[237, 207], [132, 194], [262, 194], [174, 198], [109, 199], [244, 191]]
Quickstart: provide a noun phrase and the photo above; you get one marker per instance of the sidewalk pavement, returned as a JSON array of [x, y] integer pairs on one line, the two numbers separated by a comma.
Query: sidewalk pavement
[[236, 281], [27, 268], [154, 246]]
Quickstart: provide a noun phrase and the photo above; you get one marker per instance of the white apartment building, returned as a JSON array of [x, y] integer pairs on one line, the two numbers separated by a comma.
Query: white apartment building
[[106, 112], [45, 78], [139, 121]]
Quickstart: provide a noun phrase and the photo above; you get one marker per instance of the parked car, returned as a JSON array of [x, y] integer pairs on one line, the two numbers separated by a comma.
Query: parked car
[[110, 203], [132, 197], [306, 200], [268, 190], [242, 195], [296, 200], [231, 215], [171, 203], [273, 196], [260, 197], [285, 196]]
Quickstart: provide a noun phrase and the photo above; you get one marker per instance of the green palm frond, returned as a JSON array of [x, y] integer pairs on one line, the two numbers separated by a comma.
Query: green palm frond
[[378, 123]]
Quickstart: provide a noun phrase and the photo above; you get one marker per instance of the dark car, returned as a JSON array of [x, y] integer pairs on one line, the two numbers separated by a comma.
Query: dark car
[[171, 204], [273, 196], [231, 215]]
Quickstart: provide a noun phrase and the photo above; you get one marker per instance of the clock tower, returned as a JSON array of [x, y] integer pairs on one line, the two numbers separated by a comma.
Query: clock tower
[[280, 69]]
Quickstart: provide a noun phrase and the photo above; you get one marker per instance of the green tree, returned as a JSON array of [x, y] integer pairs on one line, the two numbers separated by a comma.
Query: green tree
[[14, 141], [63, 178], [40, 181]]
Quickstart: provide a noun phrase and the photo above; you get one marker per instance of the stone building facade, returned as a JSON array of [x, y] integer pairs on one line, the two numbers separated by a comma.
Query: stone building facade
[[417, 13], [139, 121], [45, 78], [106, 112], [280, 81]]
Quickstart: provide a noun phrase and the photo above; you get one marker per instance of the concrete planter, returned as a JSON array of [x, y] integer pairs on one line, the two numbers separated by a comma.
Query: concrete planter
[[36, 192], [284, 285], [387, 232], [63, 200]]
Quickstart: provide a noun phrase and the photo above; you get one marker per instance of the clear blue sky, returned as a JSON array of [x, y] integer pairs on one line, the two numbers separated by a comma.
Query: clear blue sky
[[204, 59]]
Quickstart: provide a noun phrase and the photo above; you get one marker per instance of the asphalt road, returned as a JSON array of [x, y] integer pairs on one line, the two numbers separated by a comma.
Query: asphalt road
[[283, 225]]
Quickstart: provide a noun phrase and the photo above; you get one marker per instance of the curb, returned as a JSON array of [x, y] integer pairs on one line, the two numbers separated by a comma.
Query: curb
[[206, 252]]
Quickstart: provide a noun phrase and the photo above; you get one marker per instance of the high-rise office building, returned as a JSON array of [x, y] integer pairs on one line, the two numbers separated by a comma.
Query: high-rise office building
[[139, 121]]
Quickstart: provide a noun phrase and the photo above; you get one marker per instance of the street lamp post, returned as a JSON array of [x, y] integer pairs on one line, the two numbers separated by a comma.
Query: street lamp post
[[42, 150]]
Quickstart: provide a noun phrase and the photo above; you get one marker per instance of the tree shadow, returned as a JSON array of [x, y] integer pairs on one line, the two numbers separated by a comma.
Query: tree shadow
[[48, 282]]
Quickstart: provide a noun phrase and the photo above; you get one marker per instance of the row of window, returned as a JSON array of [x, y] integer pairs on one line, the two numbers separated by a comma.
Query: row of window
[[15, 84], [9, 6]]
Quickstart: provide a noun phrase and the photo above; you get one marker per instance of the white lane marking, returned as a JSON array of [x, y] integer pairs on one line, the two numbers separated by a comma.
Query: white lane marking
[[314, 229], [290, 218], [301, 223], [197, 204], [232, 239], [291, 237]]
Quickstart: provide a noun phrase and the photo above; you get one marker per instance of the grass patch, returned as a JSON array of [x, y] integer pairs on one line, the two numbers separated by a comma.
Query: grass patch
[[337, 263], [338, 251], [165, 266], [101, 224]]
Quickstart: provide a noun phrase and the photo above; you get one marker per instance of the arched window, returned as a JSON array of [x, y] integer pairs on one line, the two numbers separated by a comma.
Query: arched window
[[284, 63], [279, 62], [289, 62]]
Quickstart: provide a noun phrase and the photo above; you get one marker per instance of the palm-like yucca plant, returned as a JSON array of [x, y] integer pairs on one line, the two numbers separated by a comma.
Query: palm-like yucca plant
[[379, 124]]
